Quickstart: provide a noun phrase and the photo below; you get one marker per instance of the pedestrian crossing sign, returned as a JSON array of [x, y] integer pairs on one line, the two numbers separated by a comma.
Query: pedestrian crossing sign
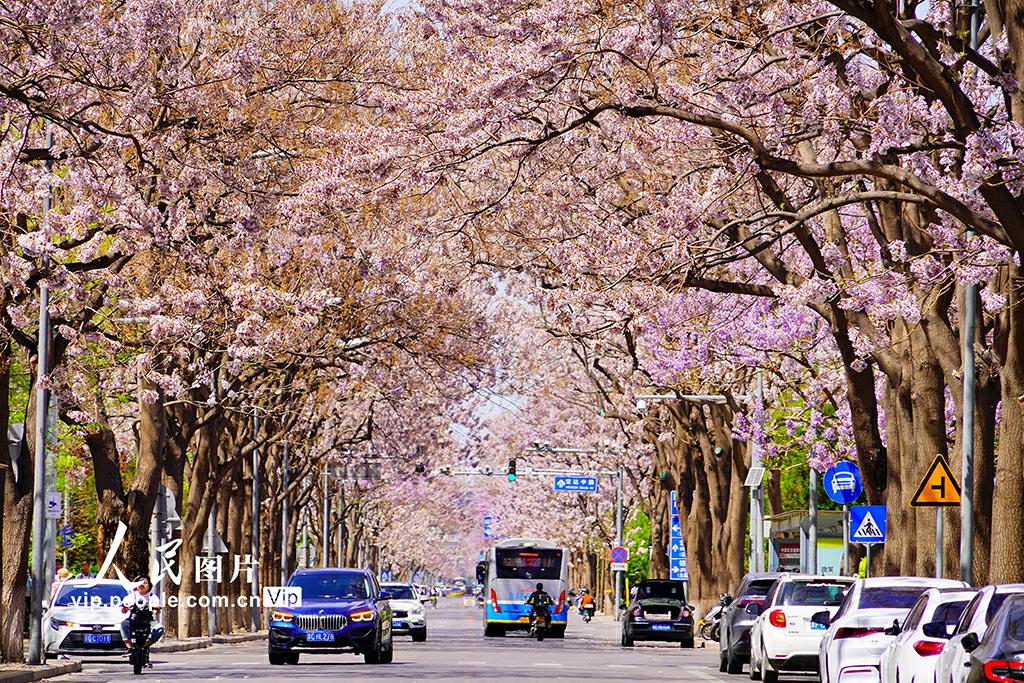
[[867, 524], [938, 488]]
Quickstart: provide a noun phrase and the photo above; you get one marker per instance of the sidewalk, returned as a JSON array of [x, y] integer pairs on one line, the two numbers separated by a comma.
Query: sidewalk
[[24, 673], [203, 642]]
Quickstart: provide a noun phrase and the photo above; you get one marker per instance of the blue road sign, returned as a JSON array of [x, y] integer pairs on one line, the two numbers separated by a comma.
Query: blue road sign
[[843, 483], [66, 532], [488, 527], [588, 484], [620, 554], [385, 574], [676, 547], [867, 524]]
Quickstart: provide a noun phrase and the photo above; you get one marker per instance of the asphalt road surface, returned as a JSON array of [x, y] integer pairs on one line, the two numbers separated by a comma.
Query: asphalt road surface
[[455, 650]]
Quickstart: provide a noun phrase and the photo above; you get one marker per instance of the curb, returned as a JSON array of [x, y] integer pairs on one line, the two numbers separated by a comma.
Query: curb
[[202, 643], [39, 673]]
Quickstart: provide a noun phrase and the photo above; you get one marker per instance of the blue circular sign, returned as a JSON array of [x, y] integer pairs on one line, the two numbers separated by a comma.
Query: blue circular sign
[[842, 483]]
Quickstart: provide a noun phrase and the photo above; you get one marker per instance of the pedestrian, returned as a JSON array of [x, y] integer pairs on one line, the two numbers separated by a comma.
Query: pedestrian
[[87, 572]]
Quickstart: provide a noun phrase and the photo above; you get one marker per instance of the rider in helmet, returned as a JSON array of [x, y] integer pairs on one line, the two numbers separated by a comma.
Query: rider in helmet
[[540, 601]]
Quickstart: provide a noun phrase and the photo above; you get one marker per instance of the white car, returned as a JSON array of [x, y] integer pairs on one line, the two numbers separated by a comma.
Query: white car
[[951, 666], [783, 637], [407, 614], [85, 618], [913, 654], [856, 635]]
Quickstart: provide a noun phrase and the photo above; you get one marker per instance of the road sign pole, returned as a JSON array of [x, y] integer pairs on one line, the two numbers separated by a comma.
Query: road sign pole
[[867, 562], [812, 528], [618, 539], [939, 566], [285, 526], [846, 540]]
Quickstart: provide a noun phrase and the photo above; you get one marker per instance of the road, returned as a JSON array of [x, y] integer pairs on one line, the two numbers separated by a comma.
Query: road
[[455, 651]]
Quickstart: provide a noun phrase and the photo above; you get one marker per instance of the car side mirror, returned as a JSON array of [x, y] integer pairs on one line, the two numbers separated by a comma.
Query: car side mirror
[[970, 642], [935, 629], [384, 595], [893, 630], [727, 600], [822, 618], [753, 609], [46, 605]]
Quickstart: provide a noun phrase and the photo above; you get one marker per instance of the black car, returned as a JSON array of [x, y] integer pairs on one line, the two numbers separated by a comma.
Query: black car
[[734, 637], [658, 611], [998, 657], [342, 610]]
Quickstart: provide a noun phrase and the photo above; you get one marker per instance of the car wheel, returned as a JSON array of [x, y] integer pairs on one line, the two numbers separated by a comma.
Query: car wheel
[[276, 658], [627, 641], [556, 632], [292, 658], [493, 631], [687, 643], [723, 665], [768, 674], [733, 665], [419, 635], [388, 655], [755, 675]]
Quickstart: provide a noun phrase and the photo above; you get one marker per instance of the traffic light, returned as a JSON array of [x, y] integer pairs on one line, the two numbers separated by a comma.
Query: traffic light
[[421, 468], [512, 469]]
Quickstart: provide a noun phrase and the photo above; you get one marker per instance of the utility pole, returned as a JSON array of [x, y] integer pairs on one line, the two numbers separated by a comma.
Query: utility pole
[[757, 493], [285, 526], [211, 551], [326, 531], [341, 523], [618, 539], [254, 574], [40, 572], [812, 527], [967, 423]]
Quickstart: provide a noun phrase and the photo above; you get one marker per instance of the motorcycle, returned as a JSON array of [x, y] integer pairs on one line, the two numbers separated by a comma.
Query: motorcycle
[[709, 626], [538, 624], [140, 625]]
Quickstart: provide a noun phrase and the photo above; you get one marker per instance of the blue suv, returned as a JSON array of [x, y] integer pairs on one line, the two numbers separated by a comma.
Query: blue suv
[[343, 610]]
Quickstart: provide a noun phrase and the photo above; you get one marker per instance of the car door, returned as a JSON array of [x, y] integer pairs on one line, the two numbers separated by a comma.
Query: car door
[[758, 627], [890, 663], [953, 654]]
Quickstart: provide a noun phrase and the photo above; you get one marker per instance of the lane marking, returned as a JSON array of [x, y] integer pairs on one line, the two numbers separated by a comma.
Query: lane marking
[[472, 663], [547, 664]]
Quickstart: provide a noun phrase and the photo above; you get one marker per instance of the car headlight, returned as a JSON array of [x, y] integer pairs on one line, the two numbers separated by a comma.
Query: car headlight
[[278, 615], [361, 615], [60, 623]]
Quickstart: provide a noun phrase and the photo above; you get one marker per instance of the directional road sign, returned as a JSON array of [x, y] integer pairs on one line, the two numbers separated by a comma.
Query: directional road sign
[[867, 524], [843, 483], [66, 534], [938, 488], [488, 526], [676, 545], [620, 554], [53, 504], [588, 484]]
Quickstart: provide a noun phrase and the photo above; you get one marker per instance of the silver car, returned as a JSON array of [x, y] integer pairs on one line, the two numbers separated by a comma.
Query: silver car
[[734, 641], [407, 614], [85, 618]]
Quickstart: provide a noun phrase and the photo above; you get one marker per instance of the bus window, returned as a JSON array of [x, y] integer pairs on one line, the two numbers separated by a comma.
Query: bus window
[[520, 563]]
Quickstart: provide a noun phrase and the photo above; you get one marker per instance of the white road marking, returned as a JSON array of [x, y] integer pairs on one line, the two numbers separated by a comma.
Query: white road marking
[[547, 664], [472, 663]]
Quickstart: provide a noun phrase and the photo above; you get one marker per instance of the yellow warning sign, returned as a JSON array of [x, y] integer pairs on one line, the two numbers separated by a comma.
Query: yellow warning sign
[[939, 486]]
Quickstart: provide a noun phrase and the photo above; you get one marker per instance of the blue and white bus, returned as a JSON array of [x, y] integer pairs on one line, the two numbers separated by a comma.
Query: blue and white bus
[[511, 571]]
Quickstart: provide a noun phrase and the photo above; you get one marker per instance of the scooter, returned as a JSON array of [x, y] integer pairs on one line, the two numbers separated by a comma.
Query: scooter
[[538, 625], [709, 626], [140, 625]]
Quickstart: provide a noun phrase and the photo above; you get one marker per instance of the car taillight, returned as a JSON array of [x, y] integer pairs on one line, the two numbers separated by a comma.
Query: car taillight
[[494, 602], [561, 602], [850, 632], [777, 618], [685, 614], [637, 612], [927, 648], [1004, 671]]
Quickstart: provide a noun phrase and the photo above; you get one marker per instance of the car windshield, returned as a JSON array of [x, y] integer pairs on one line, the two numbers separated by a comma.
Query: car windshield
[[81, 596], [814, 593], [672, 590], [400, 592], [997, 601], [949, 613], [758, 589], [520, 563], [891, 597], [329, 586]]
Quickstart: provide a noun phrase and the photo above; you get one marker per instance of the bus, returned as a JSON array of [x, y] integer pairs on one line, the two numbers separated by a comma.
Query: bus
[[511, 571]]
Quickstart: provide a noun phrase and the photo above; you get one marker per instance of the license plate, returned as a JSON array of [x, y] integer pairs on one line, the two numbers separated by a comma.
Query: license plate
[[818, 627], [97, 638], [320, 637], [661, 627], [398, 624]]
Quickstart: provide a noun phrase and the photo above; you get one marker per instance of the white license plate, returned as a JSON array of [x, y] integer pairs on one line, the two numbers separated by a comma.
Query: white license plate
[[320, 637]]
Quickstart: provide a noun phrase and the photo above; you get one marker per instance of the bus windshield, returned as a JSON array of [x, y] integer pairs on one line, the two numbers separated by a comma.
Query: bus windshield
[[528, 563]]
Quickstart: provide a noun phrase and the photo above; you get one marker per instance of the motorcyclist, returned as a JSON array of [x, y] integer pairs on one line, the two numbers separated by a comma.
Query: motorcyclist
[[142, 598], [540, 601], [587, 603]]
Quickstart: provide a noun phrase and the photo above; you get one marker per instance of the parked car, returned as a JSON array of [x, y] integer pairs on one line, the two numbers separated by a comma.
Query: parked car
[[734, 630], [658, 611], [920, 639], [856, 637], [952, 664], [783, 637], [343, 610], [407, 614], [85, 618], [998, 657]]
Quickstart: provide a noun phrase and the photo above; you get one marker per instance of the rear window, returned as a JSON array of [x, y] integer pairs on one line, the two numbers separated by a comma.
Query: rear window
[[661, 589], [814, 593], [949, 613], [518, 563], [891, 597]]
